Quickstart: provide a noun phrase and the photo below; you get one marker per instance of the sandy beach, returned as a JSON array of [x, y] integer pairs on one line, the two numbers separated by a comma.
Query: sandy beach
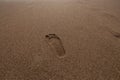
[[89, 32]]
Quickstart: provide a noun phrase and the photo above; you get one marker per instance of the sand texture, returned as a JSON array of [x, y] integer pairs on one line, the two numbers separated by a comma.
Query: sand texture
[[84, 45]]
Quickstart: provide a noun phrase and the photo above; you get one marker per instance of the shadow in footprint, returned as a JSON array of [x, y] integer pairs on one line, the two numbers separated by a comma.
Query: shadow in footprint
[[56, 44]]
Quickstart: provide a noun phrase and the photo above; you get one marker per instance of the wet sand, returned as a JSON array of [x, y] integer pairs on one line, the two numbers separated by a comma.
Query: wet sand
[[90, 34]]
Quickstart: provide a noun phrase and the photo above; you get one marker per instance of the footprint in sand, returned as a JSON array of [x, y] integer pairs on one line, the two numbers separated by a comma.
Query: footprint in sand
[[116, 34], [110, 17], [56, 44]]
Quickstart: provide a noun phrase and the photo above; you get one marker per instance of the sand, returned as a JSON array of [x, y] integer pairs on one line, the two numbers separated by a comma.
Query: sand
[[89, 30]]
